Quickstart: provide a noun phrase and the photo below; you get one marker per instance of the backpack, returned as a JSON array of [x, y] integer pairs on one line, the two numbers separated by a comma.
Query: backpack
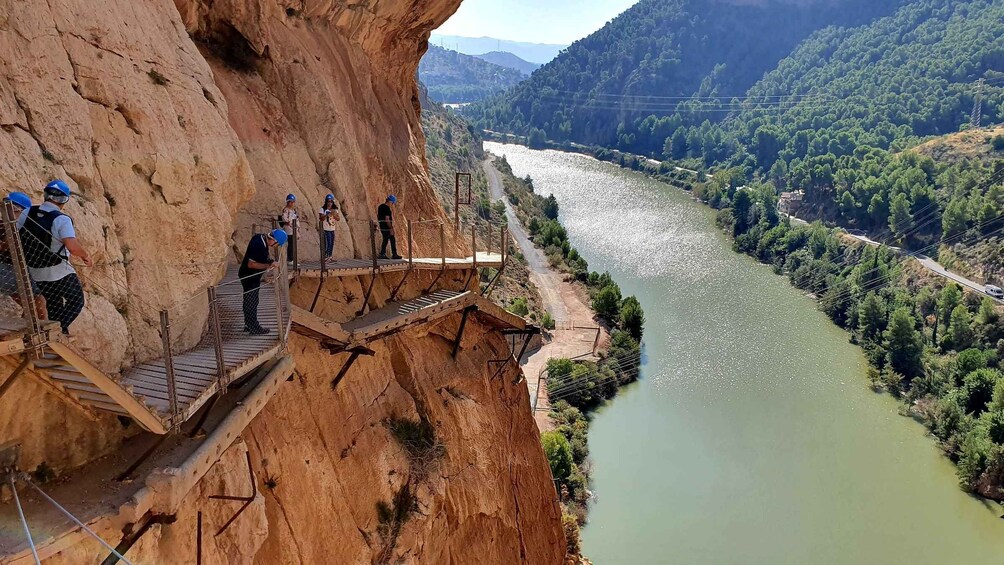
[[36, 239]]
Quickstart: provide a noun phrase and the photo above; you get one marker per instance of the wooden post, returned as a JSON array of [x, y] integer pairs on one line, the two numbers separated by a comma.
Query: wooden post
[[172, 393], [20, 266], [489, 238], [296, 247], [277, 282], [217, 337], [442, 243], [456, 202], [373, 249], [474, 247], [411, 246], [320, 240]]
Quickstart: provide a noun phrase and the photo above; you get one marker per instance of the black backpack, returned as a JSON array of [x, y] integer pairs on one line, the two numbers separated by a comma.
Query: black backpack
[[36, 239]]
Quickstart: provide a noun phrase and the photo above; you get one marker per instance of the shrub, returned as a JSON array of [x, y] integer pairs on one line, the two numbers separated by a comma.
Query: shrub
[[519, 306], [559, 454], [997, 143], [546, 321]]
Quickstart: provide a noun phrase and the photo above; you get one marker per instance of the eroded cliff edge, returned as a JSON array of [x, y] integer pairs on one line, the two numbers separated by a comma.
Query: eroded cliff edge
[[181, 124]]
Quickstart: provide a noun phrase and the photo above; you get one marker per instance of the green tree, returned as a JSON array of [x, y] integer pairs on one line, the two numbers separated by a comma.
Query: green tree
[[632, 317], [960, 330], [537, 138], [741, 205], [977, 390], [550, 207], [607, 302], [900, 219], [904, 344], [678, 144], [559, 454], [954, 219], [871, 317], [948, 299]]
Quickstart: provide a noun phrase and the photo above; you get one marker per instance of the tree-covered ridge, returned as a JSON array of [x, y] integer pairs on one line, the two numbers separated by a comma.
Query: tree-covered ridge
[[654, 55], [453, 77], [909, 74]]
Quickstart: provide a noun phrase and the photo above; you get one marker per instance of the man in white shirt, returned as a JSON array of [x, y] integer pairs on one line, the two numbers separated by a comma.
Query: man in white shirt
[[49, 239]]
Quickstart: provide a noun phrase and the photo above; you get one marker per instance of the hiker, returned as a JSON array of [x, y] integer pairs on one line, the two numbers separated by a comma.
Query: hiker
[[8, 280], [49, 240], [289, 221], [329, 217], [256, 262], [386, 219]]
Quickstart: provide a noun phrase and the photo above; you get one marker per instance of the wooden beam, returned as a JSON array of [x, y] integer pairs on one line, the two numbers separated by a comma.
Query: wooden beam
[[460, 331], [354, 354], [136, 409]]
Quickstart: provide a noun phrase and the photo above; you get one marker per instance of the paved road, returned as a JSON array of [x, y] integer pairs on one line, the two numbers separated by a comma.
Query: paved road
[[927, 262], [547, 281]]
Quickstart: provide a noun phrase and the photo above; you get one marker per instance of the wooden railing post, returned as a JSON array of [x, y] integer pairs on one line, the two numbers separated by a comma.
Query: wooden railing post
[[411, 246], [296, 247], [322, 246], [20, 268], [217, 337], [172, 393], [373, 248], [474, 247], [489, 238], [279, 280], [442, 243]]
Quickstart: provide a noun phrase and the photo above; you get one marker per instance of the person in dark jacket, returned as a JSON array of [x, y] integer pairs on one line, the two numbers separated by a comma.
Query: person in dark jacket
[[386, 218], [257, 262]]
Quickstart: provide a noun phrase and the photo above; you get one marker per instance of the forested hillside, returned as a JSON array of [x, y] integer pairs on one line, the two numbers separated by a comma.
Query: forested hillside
[[453, 77], [508, 60], [655, 56]]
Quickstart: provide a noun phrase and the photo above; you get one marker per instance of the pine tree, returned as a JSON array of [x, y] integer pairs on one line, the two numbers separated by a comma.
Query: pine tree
[[904, 343]]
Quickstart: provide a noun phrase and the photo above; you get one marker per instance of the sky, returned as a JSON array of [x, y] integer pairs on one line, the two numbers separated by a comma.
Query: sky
[[537, 21]]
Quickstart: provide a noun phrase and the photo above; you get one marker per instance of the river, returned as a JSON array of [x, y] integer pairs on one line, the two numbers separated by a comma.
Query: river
[[752, 436]]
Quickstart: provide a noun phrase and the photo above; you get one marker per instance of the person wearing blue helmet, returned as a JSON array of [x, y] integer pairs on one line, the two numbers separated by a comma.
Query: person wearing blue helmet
[[289, 221], [8, 281], [49, 239], [329, 216], [257, 261], [386, 219]]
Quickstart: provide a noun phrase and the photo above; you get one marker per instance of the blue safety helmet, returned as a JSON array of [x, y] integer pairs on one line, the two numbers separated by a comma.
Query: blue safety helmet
[[279, 236], [19, 198], [392, 199], [329, 197], [57, 191], [290, 198]]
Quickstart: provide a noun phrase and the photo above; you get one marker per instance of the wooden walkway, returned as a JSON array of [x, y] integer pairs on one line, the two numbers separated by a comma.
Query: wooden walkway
[[357, 267], [141, 392], [397, 316]]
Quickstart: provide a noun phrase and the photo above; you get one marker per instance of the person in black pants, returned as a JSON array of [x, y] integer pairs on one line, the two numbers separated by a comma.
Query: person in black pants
[[386, 219], [256, 262]]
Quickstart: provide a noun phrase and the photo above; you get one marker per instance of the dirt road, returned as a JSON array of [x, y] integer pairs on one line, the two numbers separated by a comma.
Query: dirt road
[[575, 330]]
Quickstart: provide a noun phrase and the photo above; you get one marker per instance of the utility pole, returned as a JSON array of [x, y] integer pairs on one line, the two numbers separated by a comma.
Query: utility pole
[[974, 119]]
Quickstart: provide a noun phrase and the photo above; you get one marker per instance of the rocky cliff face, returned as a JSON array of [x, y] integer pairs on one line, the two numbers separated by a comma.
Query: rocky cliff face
[[180, 126]]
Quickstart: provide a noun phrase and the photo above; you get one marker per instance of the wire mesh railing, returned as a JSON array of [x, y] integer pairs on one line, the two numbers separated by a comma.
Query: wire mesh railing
[[212, 336]]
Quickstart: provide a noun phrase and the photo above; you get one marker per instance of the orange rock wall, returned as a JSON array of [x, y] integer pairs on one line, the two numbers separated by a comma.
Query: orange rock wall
[[250, 100]]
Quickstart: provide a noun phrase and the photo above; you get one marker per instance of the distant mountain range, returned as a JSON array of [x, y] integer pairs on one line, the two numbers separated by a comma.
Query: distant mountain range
[[540, 53], [506, 59], [455, 78]]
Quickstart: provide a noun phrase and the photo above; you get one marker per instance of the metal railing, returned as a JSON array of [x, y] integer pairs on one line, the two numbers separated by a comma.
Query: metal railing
[[208, 330]]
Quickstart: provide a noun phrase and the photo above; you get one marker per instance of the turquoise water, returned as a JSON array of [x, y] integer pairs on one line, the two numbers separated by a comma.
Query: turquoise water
[[752, 436]]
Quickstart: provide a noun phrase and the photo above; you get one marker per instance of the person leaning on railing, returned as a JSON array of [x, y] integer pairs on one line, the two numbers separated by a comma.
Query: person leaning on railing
[[8, 280], [49, 239], [255, 264], [329, 217]]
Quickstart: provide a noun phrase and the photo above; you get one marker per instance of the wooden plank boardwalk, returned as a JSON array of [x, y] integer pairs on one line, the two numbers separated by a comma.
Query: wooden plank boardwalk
[[357, 267], [141, 392]]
